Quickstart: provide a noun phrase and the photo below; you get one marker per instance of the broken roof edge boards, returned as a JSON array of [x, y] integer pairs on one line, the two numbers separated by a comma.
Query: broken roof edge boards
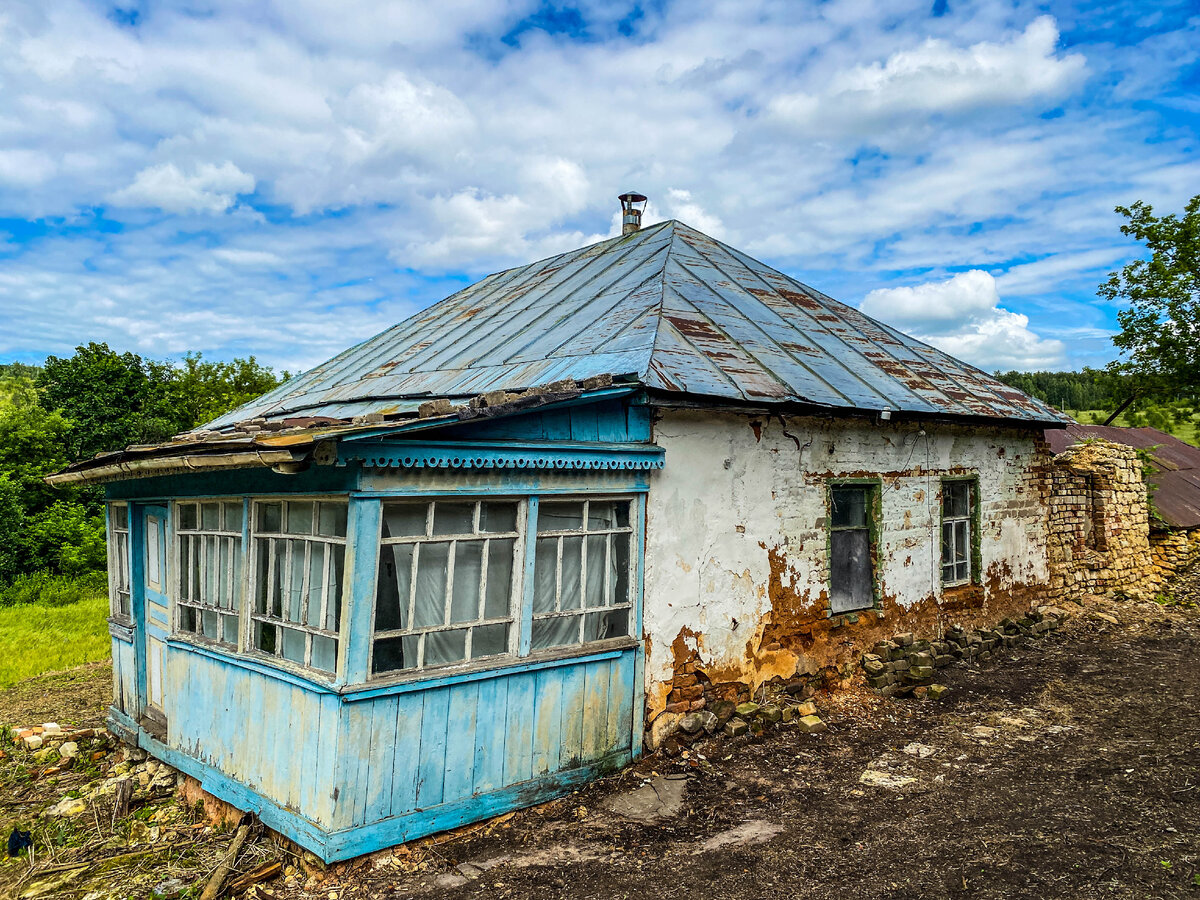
[[671, 400], [129, 469], [293, 449]]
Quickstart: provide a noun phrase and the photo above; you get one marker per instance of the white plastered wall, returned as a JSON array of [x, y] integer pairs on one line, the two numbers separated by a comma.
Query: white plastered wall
[[739, 493]]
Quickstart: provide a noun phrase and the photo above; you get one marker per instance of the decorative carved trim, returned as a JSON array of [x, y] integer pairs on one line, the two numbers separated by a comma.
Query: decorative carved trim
[[492, 456]]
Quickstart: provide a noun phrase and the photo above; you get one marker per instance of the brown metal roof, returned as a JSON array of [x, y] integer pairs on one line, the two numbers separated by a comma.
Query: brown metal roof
[[1175, 485], [668, 308]]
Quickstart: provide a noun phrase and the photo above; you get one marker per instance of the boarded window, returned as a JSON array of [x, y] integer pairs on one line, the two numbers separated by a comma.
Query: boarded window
[[582, 572], [118, 560], [958, 510], [299, 558], [445, 583], [208, 570], [851, 568]]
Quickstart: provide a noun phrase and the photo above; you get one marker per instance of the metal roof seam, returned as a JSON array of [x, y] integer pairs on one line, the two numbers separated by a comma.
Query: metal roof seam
[[554, 352], [799, 362], [814, 324], [510, 315]]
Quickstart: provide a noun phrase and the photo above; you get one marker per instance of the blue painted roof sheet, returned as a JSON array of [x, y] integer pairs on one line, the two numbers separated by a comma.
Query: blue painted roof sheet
[[667, 307]]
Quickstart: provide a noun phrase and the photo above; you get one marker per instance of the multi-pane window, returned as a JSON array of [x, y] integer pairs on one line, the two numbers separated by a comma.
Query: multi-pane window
[[299, 557], [208, 542], [957, 512], [445, 584], [582, 567], [118, 560]]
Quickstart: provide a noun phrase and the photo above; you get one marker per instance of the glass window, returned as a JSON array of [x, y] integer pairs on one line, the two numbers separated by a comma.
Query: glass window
[[118, 560], [208, 571], [851, 550], [299, 558], [582, 559], [958, 499], [445, 583]]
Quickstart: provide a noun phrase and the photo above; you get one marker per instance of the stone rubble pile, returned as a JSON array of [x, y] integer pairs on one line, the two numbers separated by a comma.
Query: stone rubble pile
[[906, 664], [56, 749], [734, 719]]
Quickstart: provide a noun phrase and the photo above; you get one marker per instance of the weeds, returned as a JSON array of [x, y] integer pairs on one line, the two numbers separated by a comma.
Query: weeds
[[47, 637]]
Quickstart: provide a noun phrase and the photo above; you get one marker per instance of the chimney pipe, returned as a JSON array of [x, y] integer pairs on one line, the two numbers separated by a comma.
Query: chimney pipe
[[631, 213]]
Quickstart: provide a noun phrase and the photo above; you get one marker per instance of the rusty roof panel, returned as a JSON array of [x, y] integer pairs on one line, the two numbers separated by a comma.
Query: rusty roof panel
[[675, 309], [1176, 480]]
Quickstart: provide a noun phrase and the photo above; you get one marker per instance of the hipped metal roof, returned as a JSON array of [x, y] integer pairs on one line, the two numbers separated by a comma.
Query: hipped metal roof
[[666, 307], [1175, 483]]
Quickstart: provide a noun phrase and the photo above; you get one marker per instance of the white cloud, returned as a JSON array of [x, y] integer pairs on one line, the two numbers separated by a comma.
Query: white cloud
[[852, 143], [963, 316], [937, 77], [209, 189]]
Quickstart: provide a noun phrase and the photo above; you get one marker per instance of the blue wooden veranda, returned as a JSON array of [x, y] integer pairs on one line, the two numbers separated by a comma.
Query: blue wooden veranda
[[347, 762]]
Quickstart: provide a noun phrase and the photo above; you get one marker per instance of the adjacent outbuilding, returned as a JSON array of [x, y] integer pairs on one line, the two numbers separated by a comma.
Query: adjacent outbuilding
[[499, 548]]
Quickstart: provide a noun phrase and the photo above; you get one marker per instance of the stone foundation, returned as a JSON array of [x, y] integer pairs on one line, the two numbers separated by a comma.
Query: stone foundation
[[906, 663]]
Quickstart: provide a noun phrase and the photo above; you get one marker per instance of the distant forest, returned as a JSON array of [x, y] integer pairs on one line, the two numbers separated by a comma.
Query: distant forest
[[1093, 394]]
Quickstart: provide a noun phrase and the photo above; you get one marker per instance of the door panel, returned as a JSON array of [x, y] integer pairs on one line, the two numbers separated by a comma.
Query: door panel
[[154, 623]]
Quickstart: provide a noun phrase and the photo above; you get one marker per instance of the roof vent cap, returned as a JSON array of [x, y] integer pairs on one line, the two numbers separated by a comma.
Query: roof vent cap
[[631, 212]]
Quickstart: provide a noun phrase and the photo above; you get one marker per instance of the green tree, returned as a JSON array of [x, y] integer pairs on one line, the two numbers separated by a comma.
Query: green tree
[[12, 521], [200, 390], [1160, 327], [111, 399], [65, 538], [33, 444]]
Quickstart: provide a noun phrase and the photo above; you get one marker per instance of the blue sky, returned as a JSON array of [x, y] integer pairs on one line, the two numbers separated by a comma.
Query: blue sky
[[285, 179]]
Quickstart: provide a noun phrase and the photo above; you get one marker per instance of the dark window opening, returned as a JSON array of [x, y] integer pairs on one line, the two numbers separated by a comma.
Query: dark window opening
[[851, 567]]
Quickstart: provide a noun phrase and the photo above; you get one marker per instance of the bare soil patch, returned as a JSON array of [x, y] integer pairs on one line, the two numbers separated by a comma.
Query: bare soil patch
[[1067, 768], [79, 696]]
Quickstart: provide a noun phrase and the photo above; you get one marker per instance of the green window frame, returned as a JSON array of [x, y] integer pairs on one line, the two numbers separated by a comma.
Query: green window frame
[[960, 557]]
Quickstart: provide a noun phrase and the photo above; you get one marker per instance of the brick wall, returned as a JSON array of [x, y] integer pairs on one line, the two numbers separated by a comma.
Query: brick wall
[[1098, 523]]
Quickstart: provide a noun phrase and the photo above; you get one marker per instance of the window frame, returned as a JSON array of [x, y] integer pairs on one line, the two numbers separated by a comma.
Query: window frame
[[583, 611], [516, 580], [971, 519], [874, 512], [124, 564], [521, 599], [251, 617], [238, 585]]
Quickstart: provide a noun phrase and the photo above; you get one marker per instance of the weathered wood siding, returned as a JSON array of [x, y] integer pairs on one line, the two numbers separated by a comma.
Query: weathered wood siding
[[422, 750], [275, 737]]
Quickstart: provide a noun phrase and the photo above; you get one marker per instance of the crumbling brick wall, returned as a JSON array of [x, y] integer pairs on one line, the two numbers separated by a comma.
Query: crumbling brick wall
[[1098, 523], [1172, 551]]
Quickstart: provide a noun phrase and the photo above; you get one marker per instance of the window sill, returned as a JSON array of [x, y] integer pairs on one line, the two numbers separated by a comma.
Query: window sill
[[961, 596], [270, 666], [487, 668], [308, 679], [121, 629]]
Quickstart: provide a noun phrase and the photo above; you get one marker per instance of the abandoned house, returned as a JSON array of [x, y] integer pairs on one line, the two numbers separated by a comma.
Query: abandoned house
[[493, 551]]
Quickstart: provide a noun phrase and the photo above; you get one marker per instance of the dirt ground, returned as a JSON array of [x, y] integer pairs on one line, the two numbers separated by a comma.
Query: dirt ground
[[1066, 768]]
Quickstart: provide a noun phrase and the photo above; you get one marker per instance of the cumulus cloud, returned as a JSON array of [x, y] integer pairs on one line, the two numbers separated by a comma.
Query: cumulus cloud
[[322, 148], [208, 189], [938, 77], [962, 315]]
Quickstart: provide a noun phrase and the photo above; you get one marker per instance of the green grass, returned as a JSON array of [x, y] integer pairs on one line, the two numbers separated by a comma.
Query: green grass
[[37, 637], [1187, 432]]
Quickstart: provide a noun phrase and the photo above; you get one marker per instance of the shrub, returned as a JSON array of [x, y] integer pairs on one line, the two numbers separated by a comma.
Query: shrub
[[47, 589]]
